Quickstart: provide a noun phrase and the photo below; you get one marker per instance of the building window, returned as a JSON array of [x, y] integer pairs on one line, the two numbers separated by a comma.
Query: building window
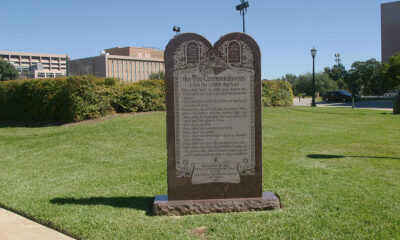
[[118, 69], [40, 75], [112, 67], [49, 75], [59, 74], [122, 70]]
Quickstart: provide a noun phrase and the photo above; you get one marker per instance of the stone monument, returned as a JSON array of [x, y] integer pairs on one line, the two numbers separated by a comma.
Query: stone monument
[[213, 96]]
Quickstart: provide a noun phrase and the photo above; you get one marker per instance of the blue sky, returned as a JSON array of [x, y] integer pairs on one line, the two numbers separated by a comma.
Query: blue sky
[[285, 30]]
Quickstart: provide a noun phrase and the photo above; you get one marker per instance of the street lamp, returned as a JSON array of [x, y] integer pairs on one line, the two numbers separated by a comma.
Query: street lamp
[[313, 54], [176, 29], [242, 7]]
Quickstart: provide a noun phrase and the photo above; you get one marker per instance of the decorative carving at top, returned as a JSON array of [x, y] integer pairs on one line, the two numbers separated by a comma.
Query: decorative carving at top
[[203, 50], [179, 57], [223, 49], [190, 53], [247, 56]]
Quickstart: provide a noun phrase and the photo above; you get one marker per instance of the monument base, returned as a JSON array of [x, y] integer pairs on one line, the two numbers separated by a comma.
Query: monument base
[[162, 206]]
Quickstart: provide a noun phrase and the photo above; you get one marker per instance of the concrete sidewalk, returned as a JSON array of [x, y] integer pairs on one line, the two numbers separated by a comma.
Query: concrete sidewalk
[[15, 227], [386, 105]]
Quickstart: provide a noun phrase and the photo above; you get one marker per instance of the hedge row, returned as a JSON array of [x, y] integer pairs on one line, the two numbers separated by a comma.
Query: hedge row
[[76, 98], [277, 94], [85, 97]]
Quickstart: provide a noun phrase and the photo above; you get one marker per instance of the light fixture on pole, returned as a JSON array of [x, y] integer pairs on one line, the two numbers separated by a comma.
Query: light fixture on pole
[[337, 58], [242, 7], [176, 29], [313, 54]]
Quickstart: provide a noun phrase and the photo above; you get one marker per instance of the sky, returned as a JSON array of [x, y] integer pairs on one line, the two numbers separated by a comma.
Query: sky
[[285, 30]]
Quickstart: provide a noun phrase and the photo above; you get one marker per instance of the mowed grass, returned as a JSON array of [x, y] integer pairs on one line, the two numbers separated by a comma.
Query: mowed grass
[[336, 170]]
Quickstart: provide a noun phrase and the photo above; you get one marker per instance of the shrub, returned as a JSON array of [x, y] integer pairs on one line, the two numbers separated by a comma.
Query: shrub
[[85, 97], [143, 96], [277, 94], [76, 98]]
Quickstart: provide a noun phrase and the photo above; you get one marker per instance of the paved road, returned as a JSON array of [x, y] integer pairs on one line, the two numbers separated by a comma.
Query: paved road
[[378, 105]]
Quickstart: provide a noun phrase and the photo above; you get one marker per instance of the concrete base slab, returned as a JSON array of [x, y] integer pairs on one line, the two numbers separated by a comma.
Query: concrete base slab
[[162, 206]]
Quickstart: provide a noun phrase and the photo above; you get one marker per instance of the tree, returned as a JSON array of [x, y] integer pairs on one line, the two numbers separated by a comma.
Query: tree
[[323, 84], [338, 73], [7, 71], [366, 77], [158, 75], [291, 78], [392, 75]]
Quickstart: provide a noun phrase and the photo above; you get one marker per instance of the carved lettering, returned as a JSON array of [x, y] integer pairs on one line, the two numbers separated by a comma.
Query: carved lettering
[[234, 52]]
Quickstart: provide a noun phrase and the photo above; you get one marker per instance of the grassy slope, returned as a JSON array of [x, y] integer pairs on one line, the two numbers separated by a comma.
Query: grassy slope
[[97, 180]]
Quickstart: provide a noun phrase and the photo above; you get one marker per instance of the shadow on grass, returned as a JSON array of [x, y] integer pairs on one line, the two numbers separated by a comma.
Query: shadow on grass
[[136, 202], [327, 156], [5, 124]]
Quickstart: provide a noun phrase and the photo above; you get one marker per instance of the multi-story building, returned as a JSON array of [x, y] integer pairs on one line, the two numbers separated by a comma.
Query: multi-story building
[[390, 29], [37, 65], [136, 52], [128, 64]]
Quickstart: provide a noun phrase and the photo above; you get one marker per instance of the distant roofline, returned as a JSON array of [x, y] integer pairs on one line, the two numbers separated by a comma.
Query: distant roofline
[[124, 57], [151, 48], [32, 54]]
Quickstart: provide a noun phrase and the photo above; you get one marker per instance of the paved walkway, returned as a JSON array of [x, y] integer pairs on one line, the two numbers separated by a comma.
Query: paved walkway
[[15, 227], [386, 105]]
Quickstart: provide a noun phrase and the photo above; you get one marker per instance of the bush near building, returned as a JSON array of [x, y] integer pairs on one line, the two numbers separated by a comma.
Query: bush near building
[[277, 94], [76, 98]]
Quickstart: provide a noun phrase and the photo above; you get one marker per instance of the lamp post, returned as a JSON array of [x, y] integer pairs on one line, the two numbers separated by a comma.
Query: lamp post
[[313, 54], [242, 7]]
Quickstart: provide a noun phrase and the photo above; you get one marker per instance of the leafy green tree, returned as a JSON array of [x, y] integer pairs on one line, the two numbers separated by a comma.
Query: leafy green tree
[[392, 74], [7, 71], [291, 78], [158, 75], [303, 84], [366, 78], [338, 71], [339, 74], [323, 84]]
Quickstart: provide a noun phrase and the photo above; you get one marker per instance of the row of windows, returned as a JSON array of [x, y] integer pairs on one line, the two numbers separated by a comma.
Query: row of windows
[[25, 58], [49, 75]]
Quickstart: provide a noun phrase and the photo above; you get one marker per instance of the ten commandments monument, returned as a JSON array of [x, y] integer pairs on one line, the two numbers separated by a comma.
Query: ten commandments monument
[[213, 96]]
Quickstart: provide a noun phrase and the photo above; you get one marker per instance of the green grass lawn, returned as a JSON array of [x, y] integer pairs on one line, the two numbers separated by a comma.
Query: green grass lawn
[[336, 170]]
